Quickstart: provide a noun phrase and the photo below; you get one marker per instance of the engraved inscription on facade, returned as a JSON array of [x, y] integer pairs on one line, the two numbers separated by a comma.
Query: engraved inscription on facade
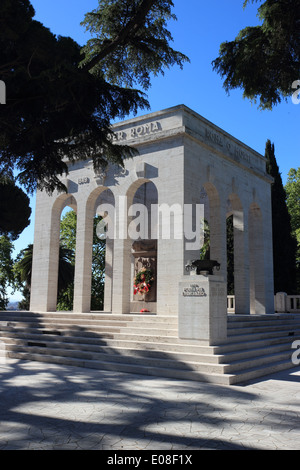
[[138, 131], [214, 137], [237, 153], [83, 180], [193, 290]]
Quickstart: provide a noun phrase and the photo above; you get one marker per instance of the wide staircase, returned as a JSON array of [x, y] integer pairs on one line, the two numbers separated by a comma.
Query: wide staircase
[[148, 344]]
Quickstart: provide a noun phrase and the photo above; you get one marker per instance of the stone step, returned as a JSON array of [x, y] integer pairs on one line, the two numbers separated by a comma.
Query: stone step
[[194, 362], [261, 328], [233, 362], [150, 345], [232, 318], [263, 335], [166, 360], [221, 379], [176, 346], [131, 350], [86, 329], [242, 377], [75, 317], [254, 344], [128, 368]]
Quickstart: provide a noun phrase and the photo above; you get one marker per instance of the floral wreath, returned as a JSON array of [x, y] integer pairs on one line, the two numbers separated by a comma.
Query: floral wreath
[[143, 281]]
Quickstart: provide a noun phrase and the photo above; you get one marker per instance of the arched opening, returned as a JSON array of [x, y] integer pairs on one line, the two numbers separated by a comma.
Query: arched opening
[[87, 236], [143, 233], [67, 253], [103, 246], [61, 258]]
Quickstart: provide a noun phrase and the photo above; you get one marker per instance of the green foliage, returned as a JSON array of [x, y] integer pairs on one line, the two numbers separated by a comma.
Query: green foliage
[[230, 255], [14, 209], [6, 270], [284, 243], [68, 241], [292, 188], [57, 110], [23, 270], [205, 251], [129, 55], [264, 60], [22, 273], [98, 269]]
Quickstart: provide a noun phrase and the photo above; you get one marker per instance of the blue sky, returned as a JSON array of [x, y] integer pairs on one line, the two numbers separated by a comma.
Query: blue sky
[[200, 28]]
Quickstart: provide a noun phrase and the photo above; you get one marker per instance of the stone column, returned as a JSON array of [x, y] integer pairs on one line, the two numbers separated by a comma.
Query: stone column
[[44, 279], [241, 262], [109, 246], [170, 250], [257, 260], [268, 256], [218, 235], [83, 259], [122, 286]]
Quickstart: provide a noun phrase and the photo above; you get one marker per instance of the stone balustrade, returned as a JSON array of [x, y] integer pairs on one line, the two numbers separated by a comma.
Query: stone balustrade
[[284, 303]]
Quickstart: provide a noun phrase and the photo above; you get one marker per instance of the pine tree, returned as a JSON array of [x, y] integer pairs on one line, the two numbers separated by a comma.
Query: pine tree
[[264, 60], [284, 244], [62, 99]]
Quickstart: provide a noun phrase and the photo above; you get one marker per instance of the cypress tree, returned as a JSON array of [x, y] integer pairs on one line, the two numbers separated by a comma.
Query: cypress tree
[[284, 244]]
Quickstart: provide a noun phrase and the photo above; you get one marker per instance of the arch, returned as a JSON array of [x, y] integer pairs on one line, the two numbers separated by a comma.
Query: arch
[[45, 267], [84, 253], [63, 201], [141, 248]]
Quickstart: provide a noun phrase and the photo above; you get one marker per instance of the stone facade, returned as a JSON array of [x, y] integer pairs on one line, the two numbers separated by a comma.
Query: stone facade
[[184, 160]]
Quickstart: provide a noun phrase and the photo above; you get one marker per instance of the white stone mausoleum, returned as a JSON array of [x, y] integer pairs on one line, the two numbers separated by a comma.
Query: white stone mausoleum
[[152, 207]]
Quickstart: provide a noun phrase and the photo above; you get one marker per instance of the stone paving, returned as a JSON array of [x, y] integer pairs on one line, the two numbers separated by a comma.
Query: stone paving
[[56, 407]]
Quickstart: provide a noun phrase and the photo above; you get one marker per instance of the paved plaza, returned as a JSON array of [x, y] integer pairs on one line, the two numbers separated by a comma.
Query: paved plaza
[[56, 407]]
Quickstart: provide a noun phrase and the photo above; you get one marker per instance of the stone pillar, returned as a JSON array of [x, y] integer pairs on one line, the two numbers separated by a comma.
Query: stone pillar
[[83, 259], [109, 246], [203, 309], [170, 256], [241, 262], [280, 302], [268, 255], [122, 286], [257, 249], [44, 279], [218, 235]]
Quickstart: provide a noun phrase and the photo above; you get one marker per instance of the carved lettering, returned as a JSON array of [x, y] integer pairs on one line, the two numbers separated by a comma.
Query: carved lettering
[[240, 154], [83, 180], [214, 137], [120, 135], [194, 290], [145, 129]]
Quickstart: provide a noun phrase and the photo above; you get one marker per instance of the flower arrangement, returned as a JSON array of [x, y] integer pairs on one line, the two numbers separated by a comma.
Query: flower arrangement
[[143, 281]]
